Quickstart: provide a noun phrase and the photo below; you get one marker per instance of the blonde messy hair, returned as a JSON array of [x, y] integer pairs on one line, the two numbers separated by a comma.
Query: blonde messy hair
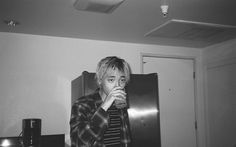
[[112, 62]]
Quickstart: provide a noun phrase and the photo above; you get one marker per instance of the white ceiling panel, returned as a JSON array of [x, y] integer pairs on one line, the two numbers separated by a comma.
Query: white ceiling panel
[[129, 22]]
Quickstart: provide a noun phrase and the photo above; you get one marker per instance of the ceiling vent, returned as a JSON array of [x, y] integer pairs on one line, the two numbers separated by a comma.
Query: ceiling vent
[[101, 6], [204, 33]]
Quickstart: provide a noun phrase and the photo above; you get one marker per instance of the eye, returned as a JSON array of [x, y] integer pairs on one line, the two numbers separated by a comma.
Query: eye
[[110, 80], [123, 80]]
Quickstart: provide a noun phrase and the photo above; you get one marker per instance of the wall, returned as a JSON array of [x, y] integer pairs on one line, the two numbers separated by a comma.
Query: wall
[[36, 72], [220, 71]]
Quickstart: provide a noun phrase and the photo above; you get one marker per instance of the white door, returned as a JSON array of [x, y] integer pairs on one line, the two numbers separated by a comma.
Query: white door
[[176, 99]]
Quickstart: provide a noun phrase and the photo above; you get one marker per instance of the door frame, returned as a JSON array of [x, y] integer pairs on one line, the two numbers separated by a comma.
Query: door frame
[[142, 55]]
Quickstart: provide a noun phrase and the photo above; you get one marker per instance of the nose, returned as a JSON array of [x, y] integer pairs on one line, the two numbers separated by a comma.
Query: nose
[[118, 83]]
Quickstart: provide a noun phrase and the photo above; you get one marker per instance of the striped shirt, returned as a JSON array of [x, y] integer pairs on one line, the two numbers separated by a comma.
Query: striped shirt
[[89, 122]]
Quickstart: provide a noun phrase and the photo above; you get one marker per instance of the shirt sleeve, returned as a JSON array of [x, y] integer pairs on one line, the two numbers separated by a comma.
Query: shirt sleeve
[[87, 127]]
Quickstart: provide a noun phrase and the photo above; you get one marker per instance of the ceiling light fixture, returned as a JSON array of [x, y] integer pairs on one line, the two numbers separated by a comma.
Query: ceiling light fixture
[[102, 6], [11, 23], [164, 7]]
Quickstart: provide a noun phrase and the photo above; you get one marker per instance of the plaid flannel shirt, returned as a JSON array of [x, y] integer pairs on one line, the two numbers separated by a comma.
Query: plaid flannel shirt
[[89, 121]]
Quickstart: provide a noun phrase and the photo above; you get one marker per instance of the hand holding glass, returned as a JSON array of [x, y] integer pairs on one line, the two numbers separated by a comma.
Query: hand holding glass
[[121, 102]]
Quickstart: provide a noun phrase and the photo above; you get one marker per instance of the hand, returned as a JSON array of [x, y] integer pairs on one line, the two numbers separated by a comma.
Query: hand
[[120, 104], [117, 94]]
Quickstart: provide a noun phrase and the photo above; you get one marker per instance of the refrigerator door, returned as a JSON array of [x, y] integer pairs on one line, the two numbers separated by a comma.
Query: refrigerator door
[[142, 95], [144, 110]]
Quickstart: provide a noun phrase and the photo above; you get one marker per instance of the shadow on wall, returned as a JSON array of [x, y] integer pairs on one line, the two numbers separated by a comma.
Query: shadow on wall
[[34, 95], [53, 115], [53, 121]]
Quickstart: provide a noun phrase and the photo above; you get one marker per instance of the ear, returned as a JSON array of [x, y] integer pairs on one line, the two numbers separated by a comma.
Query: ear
[[99, 82]]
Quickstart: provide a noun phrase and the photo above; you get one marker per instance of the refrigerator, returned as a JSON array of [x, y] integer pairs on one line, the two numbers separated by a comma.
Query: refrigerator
[[143, 105]]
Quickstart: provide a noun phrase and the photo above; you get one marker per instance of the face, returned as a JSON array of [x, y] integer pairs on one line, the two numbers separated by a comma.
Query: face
[[113, 78]]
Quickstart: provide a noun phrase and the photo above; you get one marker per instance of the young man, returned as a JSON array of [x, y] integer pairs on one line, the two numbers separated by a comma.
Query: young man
[[101, 119]]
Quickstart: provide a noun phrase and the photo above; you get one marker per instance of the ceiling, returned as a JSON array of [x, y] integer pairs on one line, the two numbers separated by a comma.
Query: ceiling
[[128, 23]]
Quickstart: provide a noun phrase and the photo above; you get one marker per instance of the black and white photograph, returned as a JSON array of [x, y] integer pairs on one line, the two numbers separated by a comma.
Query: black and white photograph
[[117, 73]]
